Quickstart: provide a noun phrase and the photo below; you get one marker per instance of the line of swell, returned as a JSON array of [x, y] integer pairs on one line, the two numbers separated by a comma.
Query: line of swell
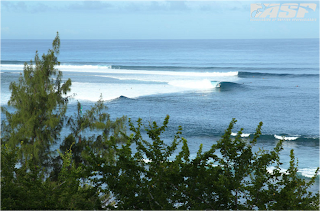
[[260, 74], [226, 85], [236, 68], [13, 62]]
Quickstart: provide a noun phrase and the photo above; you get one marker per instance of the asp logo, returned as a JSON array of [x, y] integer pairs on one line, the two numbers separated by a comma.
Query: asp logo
[[286, 10]]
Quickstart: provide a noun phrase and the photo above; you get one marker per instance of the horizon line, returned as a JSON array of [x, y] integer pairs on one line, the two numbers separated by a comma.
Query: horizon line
[[158, 38]]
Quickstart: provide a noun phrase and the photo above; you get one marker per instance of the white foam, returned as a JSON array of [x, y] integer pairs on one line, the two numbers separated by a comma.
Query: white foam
[[271, 168], [146, 160], [132, 78], [188, 84], [308, 172], [5, 97], [285, 138], [11, 67], [172, 81], [168, 76], [109, 69], [242, 135], [192, 84], [86, 68], [71, 68], [186, 80], [92, 91]]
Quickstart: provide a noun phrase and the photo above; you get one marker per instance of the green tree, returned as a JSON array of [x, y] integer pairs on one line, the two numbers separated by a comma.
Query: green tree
[[90, 129], [230, 175], [32, 178], [26, 187], [40, 106], [96, 121]]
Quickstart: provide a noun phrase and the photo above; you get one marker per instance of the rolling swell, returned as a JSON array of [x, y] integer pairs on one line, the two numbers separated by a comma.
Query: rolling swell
[[177, 68], [230, 85], [13, 62], [208, 68], [260, 74], [122, 97]]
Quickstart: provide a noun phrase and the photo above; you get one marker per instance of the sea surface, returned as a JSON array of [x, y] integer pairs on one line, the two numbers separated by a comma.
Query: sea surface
[[275, 81]]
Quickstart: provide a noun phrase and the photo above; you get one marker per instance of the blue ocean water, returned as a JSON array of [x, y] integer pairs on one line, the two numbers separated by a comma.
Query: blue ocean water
[[273, 81]]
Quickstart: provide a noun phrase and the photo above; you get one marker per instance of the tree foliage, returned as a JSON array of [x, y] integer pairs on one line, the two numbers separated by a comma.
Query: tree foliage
[[90, 129], [230, 175], [33, 175], [40, 106], [27, 187]]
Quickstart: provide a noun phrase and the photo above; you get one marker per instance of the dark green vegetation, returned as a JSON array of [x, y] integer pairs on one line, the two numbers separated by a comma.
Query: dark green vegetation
[[101, 170]]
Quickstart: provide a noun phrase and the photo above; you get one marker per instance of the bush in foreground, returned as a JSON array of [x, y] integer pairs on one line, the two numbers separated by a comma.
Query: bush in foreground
[[152, 178]]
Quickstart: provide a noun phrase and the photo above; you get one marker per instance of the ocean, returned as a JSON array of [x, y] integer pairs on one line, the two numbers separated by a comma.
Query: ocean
[[200, 84]]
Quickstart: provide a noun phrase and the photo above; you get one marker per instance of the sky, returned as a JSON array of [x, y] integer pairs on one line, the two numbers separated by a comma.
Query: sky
[[149, 20]]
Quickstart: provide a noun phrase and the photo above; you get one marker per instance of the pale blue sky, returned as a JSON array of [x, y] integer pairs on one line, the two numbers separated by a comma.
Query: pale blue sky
[[146, 20]]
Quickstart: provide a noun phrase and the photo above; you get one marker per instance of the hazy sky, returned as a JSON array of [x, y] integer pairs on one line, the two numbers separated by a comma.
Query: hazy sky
[[146, 20]]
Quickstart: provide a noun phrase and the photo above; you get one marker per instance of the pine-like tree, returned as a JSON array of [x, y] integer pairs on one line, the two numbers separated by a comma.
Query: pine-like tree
[[40, 104]]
